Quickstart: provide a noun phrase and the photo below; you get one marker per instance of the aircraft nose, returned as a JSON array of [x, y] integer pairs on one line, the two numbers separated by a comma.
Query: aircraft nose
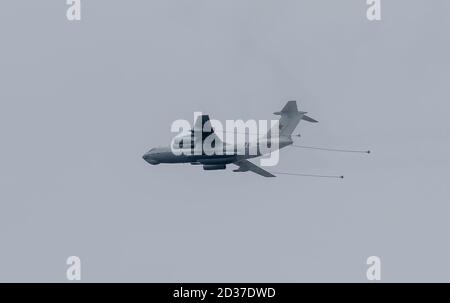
[[149, 157]]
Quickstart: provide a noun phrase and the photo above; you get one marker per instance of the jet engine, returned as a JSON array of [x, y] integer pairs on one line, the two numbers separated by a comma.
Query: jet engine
[[214, 166]]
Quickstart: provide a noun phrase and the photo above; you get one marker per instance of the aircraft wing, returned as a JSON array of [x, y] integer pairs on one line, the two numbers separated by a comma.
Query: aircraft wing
[[202, 128], [245, 165]]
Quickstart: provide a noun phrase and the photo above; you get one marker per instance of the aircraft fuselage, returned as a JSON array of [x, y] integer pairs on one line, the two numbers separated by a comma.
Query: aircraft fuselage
[[159, 155]]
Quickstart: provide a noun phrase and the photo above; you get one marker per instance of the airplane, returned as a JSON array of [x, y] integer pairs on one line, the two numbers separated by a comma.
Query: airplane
[[290, 117]]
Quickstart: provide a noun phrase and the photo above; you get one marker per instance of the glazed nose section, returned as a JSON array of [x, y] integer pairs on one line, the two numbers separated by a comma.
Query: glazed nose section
[[150, 157], [146, 156]]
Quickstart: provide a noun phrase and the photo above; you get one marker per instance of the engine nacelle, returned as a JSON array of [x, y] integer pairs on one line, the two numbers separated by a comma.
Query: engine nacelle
[[214, 166]]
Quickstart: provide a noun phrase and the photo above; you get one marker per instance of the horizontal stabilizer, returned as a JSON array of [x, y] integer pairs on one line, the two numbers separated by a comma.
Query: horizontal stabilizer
[[309, 119]]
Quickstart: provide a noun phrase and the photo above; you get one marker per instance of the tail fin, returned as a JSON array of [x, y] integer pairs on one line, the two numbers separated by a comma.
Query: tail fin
[[290, 117]]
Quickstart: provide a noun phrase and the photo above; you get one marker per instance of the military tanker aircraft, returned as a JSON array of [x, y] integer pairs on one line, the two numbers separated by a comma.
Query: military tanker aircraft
[[290, 117]]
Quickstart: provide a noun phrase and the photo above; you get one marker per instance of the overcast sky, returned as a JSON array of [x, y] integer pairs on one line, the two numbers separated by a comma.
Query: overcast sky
[[80, 102]]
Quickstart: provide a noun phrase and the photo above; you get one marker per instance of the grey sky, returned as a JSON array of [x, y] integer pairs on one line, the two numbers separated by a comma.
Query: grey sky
[[81, 102]]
